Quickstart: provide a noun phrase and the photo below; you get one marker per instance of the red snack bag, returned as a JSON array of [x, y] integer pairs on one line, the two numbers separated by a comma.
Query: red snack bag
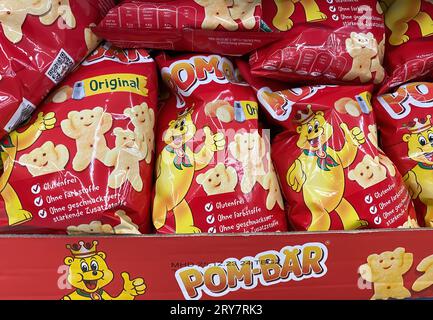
[[409, 47], [41, 41], [337, 42], [404, 119], [213, 172], [218, 26], [84, 162], [332, 172]]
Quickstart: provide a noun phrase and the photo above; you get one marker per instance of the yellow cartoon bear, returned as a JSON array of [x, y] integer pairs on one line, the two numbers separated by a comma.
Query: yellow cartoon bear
[[175, 169], [143, 119], [319, 170], [46, 159], [125, 158], [286, 8], [420, 178], [9, 146], [386, 272], [398, 15], [89, 274]]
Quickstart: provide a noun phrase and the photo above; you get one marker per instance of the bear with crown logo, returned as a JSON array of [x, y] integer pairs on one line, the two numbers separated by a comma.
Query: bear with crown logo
[[178, 163], [420, 149], [89, 274], [319, 170]]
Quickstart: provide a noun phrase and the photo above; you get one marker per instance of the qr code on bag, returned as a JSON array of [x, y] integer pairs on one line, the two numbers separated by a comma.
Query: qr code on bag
[[60, 67]]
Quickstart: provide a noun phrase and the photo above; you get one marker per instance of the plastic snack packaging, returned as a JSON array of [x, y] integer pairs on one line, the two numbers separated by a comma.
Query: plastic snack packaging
[[230, 27], [84, 162], [324, 42], [332, 172], [213, 170], [405, 124], [409, 45], [41, 42]]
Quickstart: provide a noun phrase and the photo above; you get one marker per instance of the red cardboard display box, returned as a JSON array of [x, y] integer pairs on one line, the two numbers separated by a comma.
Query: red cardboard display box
[[250, 266]]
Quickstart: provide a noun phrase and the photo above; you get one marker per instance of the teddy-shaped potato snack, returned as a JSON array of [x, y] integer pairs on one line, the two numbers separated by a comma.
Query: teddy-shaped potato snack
[[213, 172], [333, 174], [79, 165]]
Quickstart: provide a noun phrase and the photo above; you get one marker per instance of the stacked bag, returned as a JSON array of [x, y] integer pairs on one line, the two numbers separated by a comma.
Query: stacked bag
[[296, 115]]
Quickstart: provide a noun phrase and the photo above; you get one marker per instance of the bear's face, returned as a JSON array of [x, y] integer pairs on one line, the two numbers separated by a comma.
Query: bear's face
[[41, 157], [218, 180], [368, 173], [86, 119], [387, 261], [125, 138], [362, 40], [89, 274], [315, 133], [420, 146], [248, 147], [180, 131], [140, 115]]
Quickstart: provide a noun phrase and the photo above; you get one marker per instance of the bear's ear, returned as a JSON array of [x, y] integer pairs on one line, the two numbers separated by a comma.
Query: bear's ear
[[376, 159], [370, 35], [68, 261], [367, 158], [48, 145], [299, 129], [372, 258], [406, 137], [398, 251], [320, 113], [98, 110], [353, 34], [102, 254], [24, 160], [73, 114], [127, 112], [200, 178], [351, 175], [220, 166]]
